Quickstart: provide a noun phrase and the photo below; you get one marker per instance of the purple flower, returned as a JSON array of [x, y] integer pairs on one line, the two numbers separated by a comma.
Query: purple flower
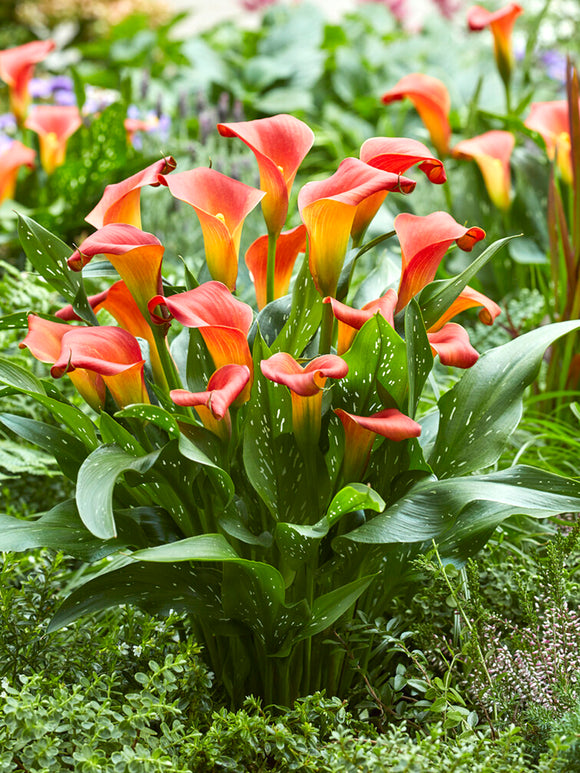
[[7, 123], [555, 64]]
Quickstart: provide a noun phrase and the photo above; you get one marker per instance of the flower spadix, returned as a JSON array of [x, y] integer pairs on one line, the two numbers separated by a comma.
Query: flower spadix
[[54, 124], [136, 255], [17, 68], [361, 431], [12, 157], [552, 121], [288, 246], [306, 385], [328, 208], [121, 202], [222, 205], [491, 152], [279, 143], [501, 24], [431, 100]]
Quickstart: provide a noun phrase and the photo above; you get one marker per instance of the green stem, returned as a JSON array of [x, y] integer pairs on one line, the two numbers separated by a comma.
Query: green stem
[[326, 329], [271, 269]]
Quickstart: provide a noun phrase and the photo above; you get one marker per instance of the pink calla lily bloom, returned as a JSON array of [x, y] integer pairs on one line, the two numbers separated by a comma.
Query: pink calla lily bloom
[[501, 24], [280, 144], [431, 100], [222, 205], [552, 121], [54, 124], [328, 209], [361, 431], [350, 320], [306, 385], [451, 343], [17, 68], [12, 157], [135, 254], [120, 202], [288, 246], [491, 152], [424, 241]]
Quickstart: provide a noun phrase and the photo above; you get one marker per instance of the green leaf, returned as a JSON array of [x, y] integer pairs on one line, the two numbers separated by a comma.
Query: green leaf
[[222, 482], [419, 355], [18, 377], [305, 315], [97, 478], [437, 297], [328, 608], [485, 406], [152, 414], [205, 547], [49, 255], [113, 432]]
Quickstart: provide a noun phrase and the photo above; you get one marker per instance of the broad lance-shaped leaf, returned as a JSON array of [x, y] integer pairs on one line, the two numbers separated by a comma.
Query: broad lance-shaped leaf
[[432, 509], [298, 543], [485, 406], [305, 315], [328, 608], [205, 547], [438, 296], [419, 355], [223, 484]]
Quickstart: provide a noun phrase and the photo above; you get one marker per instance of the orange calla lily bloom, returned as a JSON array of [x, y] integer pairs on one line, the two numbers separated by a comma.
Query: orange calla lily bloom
[[350, 320], [306, 386], [361, 431], [491, 152], [224, 388], [223, 321], [431, 100], [120, 202], [552, 121], [452, 345], [424, 241], [54, 124], [135, 254], [16, 69], [222, 205], [288, 246], [12, 157], [501, 25], [112, 353], [328, 210], [279, 144]]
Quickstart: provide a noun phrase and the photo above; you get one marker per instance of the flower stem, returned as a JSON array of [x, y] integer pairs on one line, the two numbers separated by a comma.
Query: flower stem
[[271, 269], [326, 329]]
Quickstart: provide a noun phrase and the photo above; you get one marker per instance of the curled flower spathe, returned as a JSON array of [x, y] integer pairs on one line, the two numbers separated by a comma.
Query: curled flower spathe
[[491, 152], [552, 121], [12, 157], [501, 24], [54, 124], [17, 68], [288, 246]]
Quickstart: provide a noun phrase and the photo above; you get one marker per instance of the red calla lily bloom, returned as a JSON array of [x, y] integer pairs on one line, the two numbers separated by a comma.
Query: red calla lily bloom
[[16, 69], [501, 25], [361, 431], [452, 345], [491, 152], [306, 386], [328, 209], [223, 321], [120, 202], [12, 157], [431, 100], [350, 320], [279, 144], [222, 205], [111, 352], [224, 388], [54, 124], [44, 340], [424, 241], [288, 246], [552, 121], [135, 254]]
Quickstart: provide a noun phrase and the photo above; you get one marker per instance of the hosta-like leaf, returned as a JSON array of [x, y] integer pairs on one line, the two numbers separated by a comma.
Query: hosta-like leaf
[[152, 414], [113, 432], [305, 315], [485, 406], [419, 355], [328, 608], [205, 547]]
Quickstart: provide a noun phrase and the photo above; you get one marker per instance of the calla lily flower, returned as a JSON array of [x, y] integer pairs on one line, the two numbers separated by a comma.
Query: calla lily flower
[[12, 157], [306, 386], [552, 121], [350, 320], [44, 340], [328, 210], [222, 205], [452, 345], [16, 69], [431, 100], [223, 321], [501, 25], [424, 241], [224, 388], [288, 246], [120, 202], [112, 353], [469, 299], [491, 152], [54, 124], [135, 254], [279, 144], [361, 431]]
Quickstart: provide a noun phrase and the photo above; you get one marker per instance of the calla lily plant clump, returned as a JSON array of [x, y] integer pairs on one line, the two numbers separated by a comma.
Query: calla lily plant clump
[[267, 470]]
